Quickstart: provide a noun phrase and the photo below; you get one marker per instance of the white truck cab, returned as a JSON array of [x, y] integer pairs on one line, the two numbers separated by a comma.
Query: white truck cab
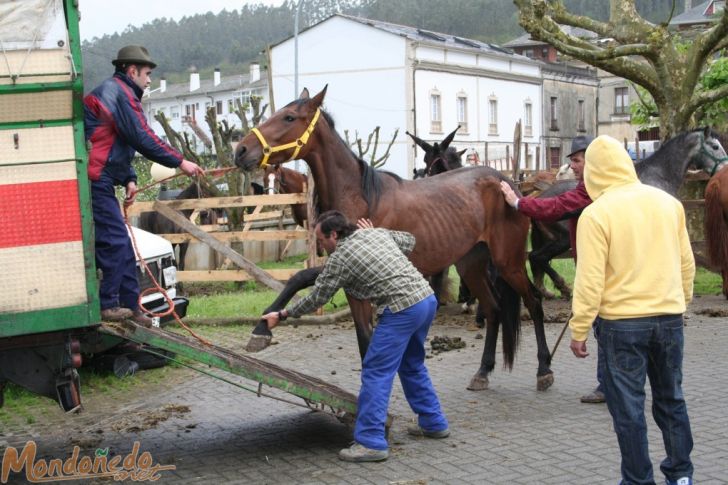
[[158, 253]]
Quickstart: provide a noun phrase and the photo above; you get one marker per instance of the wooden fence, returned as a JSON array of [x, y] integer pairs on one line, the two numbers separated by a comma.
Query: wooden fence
[[252, 231]]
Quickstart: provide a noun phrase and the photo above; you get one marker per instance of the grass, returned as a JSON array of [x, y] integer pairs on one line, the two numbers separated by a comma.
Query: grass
[[29, 407]]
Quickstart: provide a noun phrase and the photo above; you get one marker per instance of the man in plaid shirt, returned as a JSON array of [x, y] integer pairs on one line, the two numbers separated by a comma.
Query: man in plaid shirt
[[371, 264]]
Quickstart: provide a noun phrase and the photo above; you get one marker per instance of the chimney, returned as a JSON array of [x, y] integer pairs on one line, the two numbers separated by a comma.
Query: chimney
[[688, 5], [216, 77], [162, 85], [194, 81], [254, 72]]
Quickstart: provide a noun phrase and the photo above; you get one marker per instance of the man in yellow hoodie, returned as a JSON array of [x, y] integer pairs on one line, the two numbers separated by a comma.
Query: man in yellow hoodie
[[633, 281]]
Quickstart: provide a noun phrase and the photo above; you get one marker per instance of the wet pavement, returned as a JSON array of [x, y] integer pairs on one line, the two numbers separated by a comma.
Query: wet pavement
[[214, 432]]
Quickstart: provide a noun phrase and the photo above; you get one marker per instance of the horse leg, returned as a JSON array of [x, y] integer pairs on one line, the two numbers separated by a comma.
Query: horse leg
[[361, 312], [436, 283], [471, 269], [540, 260], [181, 262], [261, 334]]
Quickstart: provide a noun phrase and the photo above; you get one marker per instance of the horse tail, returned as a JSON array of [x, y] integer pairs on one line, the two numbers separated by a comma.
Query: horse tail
[[509, 306], [716, 229]]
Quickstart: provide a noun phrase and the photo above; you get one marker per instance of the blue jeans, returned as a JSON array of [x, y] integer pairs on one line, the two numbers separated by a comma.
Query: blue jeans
[[633, 349], [397, 346], [114, 253]]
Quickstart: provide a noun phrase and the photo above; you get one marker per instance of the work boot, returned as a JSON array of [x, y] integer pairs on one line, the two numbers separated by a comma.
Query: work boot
[[594, 397], [141, 319], [116, 314], [360, 453], [415, 430]]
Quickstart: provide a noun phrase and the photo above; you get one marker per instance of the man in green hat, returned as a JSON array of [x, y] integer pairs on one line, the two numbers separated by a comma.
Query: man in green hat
[[116, 127]]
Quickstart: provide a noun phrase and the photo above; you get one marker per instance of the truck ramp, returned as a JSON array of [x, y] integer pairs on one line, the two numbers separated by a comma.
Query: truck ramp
[[317, 394]]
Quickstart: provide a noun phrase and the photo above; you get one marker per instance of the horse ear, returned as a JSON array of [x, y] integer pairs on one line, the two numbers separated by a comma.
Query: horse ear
[[319, 98], [304, 94], [448, 139], [420, 142], [460, 153], [707, 132]]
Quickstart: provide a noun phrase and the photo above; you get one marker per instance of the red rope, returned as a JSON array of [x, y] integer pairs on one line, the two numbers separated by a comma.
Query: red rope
[[157, 287]]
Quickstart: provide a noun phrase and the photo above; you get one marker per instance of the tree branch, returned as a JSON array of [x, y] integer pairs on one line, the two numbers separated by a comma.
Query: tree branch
[[704, 97]]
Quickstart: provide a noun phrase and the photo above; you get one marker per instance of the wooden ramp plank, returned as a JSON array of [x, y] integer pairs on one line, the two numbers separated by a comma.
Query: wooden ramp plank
[[309, 388]]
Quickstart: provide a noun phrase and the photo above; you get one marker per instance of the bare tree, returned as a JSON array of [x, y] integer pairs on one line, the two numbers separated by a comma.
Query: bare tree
[[372, 143], [649, 55]]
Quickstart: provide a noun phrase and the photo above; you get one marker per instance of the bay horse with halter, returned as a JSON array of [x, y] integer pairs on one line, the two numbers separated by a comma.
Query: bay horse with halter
[[287, 181], [460, 218], [716, 222]]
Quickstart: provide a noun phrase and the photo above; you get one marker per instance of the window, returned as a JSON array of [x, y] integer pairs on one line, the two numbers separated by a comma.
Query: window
[[554, 114], [462, 107], [174, 112], [492, 116], [581, 116], [190, 112], [528, 119], [528, 52], [231, 106], [435, 113], [554, 157], [621, 101], [218, 107]]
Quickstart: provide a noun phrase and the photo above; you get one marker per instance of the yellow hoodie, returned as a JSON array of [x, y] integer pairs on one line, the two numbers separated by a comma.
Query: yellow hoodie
[[635, 258]]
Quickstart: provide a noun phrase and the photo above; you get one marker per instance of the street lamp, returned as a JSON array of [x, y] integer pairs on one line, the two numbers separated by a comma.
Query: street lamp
[[295, 58], [295, 48]]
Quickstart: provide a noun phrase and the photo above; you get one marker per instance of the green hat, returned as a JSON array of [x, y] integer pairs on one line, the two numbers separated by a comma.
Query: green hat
[[134, 54]]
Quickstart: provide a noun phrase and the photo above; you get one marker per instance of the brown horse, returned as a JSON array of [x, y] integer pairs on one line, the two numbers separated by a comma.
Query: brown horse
[[458, 218], [287, 181], [716, 223]]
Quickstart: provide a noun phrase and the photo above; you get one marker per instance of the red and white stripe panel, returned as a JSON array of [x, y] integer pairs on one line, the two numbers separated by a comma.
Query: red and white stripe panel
[[41, 252]]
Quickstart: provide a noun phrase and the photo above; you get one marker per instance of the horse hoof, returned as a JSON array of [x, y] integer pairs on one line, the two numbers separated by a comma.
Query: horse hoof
[[258, 343], [545, 381], [478, 383]]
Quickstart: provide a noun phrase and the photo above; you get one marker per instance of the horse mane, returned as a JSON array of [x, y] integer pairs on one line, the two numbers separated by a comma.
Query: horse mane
[[372, 180]]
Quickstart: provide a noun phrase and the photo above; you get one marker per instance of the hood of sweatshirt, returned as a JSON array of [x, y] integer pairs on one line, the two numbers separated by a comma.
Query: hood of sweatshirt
[[607, 165]]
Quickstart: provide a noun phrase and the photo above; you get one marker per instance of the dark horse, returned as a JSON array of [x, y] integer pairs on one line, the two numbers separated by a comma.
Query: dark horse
[[664, 169], [439, 157], [716, 223], [287, 181], [458, 218], [158, 224]]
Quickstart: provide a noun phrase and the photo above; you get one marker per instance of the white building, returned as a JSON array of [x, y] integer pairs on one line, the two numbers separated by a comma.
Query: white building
[[408, 79], [185, 104]]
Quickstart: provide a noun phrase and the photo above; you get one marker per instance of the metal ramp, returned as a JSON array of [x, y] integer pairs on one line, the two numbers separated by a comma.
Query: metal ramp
[[317, 394]]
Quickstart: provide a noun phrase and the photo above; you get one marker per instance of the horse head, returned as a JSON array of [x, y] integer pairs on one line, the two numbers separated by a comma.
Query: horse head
[[708, 154], [282, 137], [439, 157]]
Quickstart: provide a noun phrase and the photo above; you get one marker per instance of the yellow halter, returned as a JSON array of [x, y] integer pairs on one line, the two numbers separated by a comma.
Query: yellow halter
[[299, 143]]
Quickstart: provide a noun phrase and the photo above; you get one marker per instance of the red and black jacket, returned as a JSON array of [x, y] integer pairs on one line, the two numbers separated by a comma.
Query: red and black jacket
[[117, 128]]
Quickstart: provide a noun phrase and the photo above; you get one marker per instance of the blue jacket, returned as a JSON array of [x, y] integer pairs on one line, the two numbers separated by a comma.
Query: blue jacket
[[116, 127]]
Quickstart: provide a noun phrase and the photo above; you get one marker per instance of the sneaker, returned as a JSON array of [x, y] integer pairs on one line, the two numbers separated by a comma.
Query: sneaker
[[594, 397], [116, 314], [141, 319], [360, 453], [416, 430], [680, 481]]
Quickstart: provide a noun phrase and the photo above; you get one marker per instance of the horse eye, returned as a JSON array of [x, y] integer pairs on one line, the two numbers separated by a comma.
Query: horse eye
[[289, 118]]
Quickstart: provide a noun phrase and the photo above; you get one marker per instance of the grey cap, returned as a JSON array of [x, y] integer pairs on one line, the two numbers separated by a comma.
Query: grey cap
[[579, 144], [134, 54]]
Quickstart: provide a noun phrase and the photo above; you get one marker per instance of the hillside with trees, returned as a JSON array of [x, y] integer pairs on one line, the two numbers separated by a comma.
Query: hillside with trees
[[233, 38]]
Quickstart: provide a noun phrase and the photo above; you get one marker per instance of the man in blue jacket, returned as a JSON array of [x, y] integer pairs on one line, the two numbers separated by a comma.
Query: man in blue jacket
[[116, 127]]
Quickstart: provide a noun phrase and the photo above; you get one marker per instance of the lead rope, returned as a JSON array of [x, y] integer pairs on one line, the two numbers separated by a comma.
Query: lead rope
[[157, 287]]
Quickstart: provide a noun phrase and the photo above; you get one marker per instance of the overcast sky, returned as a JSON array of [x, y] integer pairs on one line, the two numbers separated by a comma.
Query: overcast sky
[[99, 17]]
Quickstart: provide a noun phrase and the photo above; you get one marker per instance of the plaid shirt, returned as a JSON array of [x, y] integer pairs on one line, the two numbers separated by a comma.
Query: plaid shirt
[[370, 264]]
